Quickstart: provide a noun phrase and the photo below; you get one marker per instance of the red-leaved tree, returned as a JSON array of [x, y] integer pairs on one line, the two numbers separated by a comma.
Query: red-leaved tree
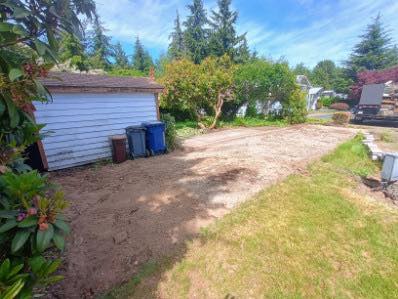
[[373, 77]]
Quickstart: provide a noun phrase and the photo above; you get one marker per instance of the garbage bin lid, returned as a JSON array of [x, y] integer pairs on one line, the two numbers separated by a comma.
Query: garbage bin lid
[[153, 123], [118, 137], [135, 128]]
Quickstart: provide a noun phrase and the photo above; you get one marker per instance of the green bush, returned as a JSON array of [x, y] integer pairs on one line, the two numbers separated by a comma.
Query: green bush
[[171, 131], [295, 108], [326, 101]]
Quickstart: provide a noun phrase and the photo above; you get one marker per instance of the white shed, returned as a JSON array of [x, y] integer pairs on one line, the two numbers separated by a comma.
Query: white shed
[[86, 110]]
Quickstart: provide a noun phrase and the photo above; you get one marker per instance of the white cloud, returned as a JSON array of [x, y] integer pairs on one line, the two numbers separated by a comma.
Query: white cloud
[[331, 31], [331, 35]]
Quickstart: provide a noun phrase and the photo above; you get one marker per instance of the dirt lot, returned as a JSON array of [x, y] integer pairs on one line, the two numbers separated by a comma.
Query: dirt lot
[[124, 215]]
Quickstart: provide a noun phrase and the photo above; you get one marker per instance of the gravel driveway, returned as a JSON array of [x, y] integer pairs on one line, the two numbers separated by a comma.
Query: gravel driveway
[[124, 215]]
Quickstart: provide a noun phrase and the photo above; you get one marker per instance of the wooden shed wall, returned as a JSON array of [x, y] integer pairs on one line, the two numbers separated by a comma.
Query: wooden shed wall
[[78, 125]]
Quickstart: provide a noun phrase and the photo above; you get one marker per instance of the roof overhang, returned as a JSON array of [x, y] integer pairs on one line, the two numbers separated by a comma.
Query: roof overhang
[[78, 89]]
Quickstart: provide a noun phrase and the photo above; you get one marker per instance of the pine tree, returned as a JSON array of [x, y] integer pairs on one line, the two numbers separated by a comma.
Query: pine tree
[[177, 47], [243, 52], [142, 61], [101, 48], [196, 34], [121, 59], [301, 69], [72, 52], [374, 51], [223, 38]]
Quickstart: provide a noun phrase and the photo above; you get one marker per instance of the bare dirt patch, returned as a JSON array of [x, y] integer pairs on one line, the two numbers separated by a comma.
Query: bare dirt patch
[[124, 215]]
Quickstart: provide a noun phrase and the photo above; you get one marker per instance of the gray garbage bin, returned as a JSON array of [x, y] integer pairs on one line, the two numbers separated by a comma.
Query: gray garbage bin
[[136, 141]]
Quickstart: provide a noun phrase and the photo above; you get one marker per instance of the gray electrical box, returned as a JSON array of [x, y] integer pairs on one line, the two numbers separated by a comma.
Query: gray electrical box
[[390, 168]]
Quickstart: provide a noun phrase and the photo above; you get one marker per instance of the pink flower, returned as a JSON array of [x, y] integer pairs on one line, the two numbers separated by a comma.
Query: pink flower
[[21, 216]]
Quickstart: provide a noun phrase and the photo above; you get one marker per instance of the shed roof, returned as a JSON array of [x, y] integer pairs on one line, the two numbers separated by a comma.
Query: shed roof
[[63, 81]]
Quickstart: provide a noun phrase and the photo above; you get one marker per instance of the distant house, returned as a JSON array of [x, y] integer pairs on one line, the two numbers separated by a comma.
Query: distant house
[[313, 93], [86, 110]]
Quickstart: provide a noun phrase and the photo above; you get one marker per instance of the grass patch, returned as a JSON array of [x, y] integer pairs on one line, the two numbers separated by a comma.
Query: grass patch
[[310, 236]]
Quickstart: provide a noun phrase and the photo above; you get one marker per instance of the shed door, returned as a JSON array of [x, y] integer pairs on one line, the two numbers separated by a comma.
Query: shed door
[[78, 126]]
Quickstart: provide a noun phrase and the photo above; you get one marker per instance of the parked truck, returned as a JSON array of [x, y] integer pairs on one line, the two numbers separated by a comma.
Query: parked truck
[[378, 102]]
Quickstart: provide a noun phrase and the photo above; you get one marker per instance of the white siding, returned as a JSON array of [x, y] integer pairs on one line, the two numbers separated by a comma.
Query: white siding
[[78, 126]]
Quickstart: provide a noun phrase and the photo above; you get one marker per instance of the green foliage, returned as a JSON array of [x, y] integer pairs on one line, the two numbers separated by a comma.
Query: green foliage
[[125, 72], [195, 34], [177, 46], [171, 132], [121, 59], [263, 81], [295, 107], [29, 207], [100, 47], [72, 51], [142, 61], [223, 36], [326, 101], [198, 87], [375, 50]]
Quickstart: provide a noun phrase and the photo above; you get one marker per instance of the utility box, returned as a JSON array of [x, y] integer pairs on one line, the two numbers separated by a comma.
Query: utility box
[[390, 168]]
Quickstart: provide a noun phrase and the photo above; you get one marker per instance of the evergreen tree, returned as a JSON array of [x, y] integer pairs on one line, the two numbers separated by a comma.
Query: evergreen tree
[[142, 61], [243, 52], [121, 59], [196, 34], [374, 51], [224, 39], [101, 49], [177, 47], [324, 74], [72, 52], [301, 69]]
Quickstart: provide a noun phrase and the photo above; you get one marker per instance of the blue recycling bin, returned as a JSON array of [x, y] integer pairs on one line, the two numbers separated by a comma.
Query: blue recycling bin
[[136, 141], [155, 137]]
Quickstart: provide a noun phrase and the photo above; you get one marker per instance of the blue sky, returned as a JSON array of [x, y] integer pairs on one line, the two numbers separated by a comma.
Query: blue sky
[[298, 30]]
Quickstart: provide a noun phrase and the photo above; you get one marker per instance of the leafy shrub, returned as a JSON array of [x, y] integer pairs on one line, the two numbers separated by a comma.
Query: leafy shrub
[[326, 101], [295, 108], [341, 118], [340, 106], [171, 131]]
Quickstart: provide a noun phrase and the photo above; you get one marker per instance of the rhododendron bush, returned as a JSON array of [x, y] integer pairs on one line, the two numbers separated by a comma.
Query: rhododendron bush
[[31, 220]]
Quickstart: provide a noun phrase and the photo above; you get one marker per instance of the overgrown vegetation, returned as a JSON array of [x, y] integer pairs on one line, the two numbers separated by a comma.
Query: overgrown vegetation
[[171, 132], [31, 218], [311, 235]]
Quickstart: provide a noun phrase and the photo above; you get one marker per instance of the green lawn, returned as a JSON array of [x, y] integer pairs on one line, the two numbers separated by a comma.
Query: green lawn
[[311, 236], [187, 129]]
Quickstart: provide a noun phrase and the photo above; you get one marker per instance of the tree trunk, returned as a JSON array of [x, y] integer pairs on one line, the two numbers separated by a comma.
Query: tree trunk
[[217, 110]]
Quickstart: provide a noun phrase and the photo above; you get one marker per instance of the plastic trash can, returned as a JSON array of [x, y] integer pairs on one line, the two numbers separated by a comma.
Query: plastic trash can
[[155, 137], [136, 140], [119, 154]]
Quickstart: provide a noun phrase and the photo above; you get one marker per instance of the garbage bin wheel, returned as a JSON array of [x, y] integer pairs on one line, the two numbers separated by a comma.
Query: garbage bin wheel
[[147, 153], [166, 151], [152, 152], [132, 157]]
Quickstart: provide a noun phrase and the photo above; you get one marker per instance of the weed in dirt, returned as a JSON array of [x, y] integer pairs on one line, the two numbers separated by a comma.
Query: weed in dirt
[[386, 137]]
